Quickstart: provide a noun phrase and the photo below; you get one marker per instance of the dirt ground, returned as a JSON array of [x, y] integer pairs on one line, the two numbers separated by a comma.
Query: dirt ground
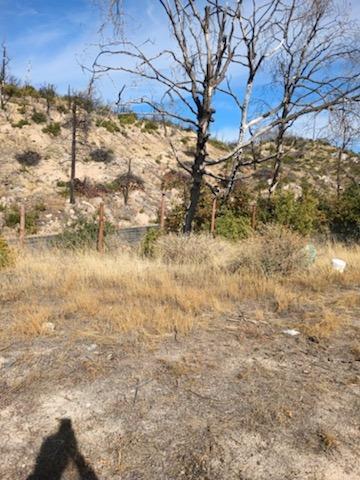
[[238, 399]]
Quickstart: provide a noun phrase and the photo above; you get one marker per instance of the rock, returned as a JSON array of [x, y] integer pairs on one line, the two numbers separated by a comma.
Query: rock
[[91, 347], [47, 327], [3, 361]]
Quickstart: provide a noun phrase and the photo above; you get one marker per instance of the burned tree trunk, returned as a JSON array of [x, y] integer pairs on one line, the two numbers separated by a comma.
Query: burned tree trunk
[[73, 152]]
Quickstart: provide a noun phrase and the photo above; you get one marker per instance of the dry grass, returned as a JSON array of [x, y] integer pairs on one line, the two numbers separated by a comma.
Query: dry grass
[[102, 296]]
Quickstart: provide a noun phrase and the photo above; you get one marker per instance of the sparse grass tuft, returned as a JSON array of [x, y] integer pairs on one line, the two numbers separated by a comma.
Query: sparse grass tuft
[[328, 440], [53, 129], [6, 257]]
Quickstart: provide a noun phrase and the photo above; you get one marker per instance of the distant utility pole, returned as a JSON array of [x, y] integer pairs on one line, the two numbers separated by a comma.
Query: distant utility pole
[[73, 151]]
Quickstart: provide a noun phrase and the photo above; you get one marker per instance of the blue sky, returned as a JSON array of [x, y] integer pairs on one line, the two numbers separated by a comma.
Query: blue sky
[[48, 40]]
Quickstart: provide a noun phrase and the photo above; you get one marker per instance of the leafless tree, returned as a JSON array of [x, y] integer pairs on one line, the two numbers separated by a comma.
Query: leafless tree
[[214, 42], [314, 66], [129, 182], [48, 92], [344, 126], [81, 108], [3, 75]]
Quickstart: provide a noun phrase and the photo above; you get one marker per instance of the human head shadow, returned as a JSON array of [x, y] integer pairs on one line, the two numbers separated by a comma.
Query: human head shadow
[[57, 452]]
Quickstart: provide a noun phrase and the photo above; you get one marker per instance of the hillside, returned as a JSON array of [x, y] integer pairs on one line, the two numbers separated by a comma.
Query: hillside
[[43, 187]]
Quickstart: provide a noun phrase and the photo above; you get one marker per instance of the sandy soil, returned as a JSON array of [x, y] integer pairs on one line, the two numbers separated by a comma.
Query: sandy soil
[[238, 399]]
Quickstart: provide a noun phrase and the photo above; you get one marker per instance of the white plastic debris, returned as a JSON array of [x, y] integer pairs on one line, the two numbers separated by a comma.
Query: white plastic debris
[[291, 332], [338, 264]]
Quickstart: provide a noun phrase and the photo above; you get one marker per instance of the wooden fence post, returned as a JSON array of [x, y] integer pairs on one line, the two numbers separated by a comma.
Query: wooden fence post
[[162, 211], [22, 226], [100, 239], [213, 216], [253, 216]]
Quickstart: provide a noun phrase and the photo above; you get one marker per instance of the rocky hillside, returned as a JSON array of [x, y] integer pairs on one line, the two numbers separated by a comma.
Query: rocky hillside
[[39, 179], [104, 153]]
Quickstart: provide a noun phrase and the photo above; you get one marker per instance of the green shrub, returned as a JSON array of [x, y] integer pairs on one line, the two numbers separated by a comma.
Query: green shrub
[[148, 243], [343, 214], [28, 91], [38, 117], [62, 183], [11, 90], [150, 126], [128, 118], [29, 158], [53, 129], [301, 214], [82, 234], [232, 227], [219, 144], [22, 110], [6, 257], [103, 155], [109, 125], [62, 109], [21, 124], [48, 92], [12, 219]]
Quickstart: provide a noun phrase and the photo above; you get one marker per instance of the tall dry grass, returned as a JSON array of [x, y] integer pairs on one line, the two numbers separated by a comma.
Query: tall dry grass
[[86, 294]]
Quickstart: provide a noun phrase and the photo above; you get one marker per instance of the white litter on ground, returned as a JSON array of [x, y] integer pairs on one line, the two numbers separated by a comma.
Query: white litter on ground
[[291, 332], [338, 264]]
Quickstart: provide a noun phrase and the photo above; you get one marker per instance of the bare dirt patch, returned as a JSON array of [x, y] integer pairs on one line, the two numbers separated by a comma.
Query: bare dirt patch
[[238, 399]]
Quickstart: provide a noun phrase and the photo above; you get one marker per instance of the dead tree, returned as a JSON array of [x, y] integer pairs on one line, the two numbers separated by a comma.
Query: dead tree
[[215, 41], [74, 127], [344, 131], [48, 92], [203, 49], [314, 70], [128, 182], [3, 75], [81, 108]]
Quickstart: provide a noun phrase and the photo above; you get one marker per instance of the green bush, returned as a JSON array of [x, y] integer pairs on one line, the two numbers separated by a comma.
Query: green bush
[[28, 91], [29, 158], [82, 234], [128, 118], [12, 219], [53, 129], [109, 125], [21, 124], [103, 155], [11, 90], [301, 214], [148, 243], [219, 144], [38, 117], [150, 126], [62, 109], [6, 257], [343, 214], [233, 227]]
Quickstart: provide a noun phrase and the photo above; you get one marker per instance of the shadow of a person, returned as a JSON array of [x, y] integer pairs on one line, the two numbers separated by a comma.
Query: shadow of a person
[[56, 452]]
